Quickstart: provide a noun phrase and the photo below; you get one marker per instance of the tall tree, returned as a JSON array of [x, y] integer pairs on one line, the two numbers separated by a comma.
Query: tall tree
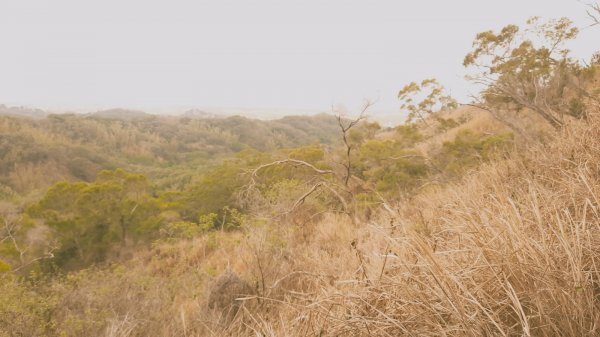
[[528, 68], [424, 99], [91, 219], [346, 127]]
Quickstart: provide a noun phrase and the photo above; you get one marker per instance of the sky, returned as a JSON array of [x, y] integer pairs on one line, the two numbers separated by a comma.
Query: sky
[[285, 55]]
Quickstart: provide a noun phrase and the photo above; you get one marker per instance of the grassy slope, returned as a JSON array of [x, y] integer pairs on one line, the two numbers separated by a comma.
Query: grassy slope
[[510, 250]]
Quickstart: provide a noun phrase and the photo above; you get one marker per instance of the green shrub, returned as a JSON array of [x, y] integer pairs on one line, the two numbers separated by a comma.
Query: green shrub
[[468, 149]]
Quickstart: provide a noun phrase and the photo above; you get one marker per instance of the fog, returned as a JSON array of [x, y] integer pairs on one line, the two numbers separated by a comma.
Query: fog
[[281, 56]]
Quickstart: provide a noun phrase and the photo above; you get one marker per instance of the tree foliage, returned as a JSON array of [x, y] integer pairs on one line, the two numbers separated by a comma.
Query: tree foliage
[[424, 99], [390, 167], [468, 149], [528, 68], [88, 219], [36, 153]]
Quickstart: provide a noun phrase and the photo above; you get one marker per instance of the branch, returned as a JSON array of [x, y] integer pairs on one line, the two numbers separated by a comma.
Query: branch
[[324, 185], [301, 200], [507, 88], [293, 162], [496, 116], [296, 162], [47, 255], [594, 14], [334, 192], [345, 129], [9, 227], [363, 114]]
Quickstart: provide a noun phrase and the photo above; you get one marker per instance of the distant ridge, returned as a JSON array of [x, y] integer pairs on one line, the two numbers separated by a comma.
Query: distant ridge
[[202, 114], [118, 113], [22, 112]]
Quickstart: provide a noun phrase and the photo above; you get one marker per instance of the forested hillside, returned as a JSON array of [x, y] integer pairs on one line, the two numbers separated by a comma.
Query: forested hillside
[[474, 218], [35, 153]]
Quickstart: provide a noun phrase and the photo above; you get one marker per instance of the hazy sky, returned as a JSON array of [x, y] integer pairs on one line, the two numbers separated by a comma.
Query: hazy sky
[[285, 54]]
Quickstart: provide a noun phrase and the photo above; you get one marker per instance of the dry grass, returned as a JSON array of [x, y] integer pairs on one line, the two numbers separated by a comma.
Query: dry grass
[[511, 250]]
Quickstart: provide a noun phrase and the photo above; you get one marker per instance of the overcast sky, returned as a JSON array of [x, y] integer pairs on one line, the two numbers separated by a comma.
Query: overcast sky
[[276, 54]]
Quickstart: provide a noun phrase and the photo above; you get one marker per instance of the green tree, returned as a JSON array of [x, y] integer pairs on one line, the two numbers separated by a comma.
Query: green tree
[[390, 167], [424, 99], [528, 68], [469, 149], [91, 219]]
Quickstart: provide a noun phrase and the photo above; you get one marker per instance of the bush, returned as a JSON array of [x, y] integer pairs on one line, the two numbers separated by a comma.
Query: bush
[[468, 149]]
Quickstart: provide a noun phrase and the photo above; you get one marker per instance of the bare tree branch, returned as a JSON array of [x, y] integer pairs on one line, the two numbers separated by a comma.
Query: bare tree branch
[[499, 118], [294, 162], [594, 14], [336, 185], [338, 196], [301, 200], [49, 254], [320, 183], [345, 128], [9, 232]]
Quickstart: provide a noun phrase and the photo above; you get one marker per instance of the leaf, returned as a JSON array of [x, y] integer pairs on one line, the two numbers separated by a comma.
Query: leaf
[[4, 267]]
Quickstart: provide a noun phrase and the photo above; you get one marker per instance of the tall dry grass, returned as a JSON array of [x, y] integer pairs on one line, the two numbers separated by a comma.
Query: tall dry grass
[[511, 250]]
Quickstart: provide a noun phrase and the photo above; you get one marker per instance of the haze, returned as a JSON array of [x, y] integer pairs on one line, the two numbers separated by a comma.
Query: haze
[[286, 55]]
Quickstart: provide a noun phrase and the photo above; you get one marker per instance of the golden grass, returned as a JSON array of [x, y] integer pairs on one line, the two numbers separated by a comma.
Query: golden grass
[[511, 250]]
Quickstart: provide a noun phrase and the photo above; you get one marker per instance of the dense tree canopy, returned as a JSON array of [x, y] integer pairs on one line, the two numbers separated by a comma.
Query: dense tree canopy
[[88, 218]]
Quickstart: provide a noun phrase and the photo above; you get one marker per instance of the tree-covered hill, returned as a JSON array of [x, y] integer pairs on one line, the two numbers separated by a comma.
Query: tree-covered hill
[[35, 153]]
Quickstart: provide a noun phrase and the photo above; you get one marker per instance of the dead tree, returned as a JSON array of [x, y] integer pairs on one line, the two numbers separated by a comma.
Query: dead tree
[[345, 126], [327, 181]]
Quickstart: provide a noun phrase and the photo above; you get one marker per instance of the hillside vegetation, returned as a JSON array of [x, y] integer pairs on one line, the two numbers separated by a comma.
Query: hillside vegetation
[[509, 249], [36, 153], [478, 219]]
